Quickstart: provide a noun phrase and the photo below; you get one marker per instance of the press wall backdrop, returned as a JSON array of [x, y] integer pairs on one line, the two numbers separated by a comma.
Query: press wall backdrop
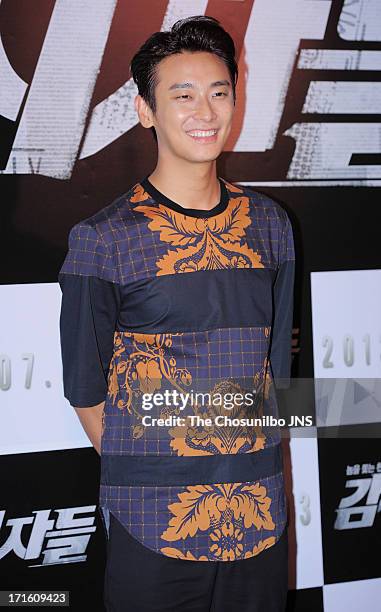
[[308, 133]]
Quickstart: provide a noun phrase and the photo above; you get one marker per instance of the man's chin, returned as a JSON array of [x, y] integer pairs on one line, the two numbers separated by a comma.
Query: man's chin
[[203, 157]]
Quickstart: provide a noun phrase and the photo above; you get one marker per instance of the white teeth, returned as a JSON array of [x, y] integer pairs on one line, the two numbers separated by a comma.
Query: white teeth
[[200, 134]]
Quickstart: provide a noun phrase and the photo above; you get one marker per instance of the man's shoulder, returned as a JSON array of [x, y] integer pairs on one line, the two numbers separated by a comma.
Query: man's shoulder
[[116, 216], [259, 203]]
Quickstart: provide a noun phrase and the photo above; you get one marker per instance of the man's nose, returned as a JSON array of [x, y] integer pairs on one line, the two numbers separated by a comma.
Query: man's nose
[[204, 109]]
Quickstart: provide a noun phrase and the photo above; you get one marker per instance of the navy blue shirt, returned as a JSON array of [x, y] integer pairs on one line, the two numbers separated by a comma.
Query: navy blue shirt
[[156, 296]]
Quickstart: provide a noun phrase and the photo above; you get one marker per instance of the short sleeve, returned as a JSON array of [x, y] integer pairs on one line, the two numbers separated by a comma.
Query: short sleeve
[[89, 311], [283, 301]]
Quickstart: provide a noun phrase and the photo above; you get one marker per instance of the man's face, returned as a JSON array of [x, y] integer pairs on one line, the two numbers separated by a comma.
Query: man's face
[[194, 106]]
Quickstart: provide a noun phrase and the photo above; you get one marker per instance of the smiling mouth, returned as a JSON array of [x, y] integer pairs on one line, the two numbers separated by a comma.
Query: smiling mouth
[[203, 135]]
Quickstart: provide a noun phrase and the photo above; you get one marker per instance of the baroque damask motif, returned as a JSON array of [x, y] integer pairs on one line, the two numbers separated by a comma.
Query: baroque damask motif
[[262, 544], [203, 243], [139, 194], [225, 511], [140, 365], [213, 439]]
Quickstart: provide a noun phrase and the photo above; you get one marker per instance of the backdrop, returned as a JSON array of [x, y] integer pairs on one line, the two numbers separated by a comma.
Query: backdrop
[[307, 133]]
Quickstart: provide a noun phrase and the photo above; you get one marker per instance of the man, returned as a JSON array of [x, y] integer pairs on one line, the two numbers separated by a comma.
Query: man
[[184, 283]]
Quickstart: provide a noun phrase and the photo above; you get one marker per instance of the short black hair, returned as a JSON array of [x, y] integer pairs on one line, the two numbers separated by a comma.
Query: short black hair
[[198, 33]]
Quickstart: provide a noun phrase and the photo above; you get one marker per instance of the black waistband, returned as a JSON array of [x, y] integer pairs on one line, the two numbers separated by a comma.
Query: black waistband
[[133, 470]]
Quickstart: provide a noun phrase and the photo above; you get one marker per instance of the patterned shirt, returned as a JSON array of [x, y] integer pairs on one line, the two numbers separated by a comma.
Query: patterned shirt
[[159, 297]]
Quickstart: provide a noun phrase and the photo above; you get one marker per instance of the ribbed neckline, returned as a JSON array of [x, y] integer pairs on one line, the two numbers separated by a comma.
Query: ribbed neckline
[[191, 212]]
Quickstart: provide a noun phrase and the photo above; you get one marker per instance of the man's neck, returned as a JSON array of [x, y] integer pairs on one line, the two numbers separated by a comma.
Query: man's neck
[[196, 186]]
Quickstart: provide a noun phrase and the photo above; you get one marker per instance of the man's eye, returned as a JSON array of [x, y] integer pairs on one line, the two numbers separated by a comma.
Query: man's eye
[[220, 94], [183, 96]]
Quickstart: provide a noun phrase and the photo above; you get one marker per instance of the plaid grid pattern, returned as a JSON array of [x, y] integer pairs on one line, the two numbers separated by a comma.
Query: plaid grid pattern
[[88, 254], [210, 356], [117, 245]]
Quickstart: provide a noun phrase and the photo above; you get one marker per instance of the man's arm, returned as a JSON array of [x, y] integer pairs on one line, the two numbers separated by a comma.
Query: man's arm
[[89, 310], [91, 421]]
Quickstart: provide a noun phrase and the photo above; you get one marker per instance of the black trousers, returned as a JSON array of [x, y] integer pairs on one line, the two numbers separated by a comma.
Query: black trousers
[[138, 579]]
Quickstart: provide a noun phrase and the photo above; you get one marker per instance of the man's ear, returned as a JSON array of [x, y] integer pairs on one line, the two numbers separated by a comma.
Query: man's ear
[[144, 112]]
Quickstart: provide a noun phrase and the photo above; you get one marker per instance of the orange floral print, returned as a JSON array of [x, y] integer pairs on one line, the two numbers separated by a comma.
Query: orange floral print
[[224, 510], [141, 368], [262, 544], [139, 194], [227, 440], [212, 243]]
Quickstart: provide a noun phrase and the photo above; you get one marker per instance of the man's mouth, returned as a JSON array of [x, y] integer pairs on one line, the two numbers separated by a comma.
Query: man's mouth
[[203, 135]]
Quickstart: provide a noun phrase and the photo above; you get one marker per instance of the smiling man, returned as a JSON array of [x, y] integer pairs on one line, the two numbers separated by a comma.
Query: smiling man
[[184, 284]]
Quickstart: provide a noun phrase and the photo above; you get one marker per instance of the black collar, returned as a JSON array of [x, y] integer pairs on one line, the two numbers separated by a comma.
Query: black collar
[[160, 198]]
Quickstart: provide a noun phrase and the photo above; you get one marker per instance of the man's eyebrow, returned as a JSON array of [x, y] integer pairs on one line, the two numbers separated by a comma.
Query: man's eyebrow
[[181, 86], [190, 85], [220, 83]]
